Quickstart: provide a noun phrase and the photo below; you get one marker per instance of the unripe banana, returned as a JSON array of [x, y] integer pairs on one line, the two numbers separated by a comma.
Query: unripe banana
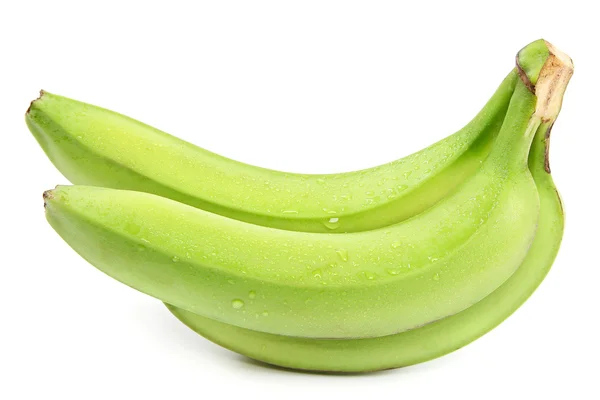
[[420, 344], [312, 285], [437, 338], [98, 147]]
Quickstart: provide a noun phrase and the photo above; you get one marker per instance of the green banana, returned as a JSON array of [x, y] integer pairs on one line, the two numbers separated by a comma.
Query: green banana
[[435, 339], [109, 220], [98, 147], [420, 344], [312, 285]]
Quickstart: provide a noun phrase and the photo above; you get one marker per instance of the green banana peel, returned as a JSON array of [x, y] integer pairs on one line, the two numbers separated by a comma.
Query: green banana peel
[[362, 284], [420, 344], [542, 69], [435, 339], [529, 60], [93, 146]]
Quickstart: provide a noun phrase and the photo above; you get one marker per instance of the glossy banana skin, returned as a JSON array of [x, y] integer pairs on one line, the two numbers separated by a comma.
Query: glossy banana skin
[[420, 344], [417, 345], [363, 284], [98, 147]]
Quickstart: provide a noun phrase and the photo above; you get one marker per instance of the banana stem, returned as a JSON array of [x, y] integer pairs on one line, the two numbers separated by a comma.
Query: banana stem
[[539, 154], [532, 126], [546, 71]]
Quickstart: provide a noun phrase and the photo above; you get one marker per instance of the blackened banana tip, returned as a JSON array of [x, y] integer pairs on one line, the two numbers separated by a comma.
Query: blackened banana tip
[[42, 92], [48, 195]]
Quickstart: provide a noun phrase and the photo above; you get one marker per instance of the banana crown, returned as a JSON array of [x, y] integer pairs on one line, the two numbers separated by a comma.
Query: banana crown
[[549, 81]]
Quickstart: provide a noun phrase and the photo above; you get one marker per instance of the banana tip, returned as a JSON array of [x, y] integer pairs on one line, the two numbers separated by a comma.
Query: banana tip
[[48, 195], [42, 92]]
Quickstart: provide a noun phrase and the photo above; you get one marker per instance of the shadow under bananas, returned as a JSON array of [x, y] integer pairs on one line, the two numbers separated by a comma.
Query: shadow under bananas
[[169, 330]]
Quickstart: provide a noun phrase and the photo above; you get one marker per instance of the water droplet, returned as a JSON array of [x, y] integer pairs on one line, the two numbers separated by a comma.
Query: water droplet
[[237, 304], [370, 194], [175, 259], [368, 275], [343, 254], [436, 277], [332, 223], [393, 271], [231, 281], [395, 245], [289, 212], [317, 273], [407, 174], [320, 181], [252, 294], [432, 259], [265, 313], [401, 188], [380, 183]]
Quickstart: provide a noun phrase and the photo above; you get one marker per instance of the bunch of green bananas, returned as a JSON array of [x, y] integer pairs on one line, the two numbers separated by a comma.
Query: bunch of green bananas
[[359, 271]]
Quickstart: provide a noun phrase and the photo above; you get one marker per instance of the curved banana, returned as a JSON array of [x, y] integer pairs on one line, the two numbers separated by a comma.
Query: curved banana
[[420, 344], [98, 147], [325, 286]]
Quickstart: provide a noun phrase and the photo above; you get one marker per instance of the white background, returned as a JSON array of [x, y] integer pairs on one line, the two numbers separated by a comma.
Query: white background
[[306, 86]]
